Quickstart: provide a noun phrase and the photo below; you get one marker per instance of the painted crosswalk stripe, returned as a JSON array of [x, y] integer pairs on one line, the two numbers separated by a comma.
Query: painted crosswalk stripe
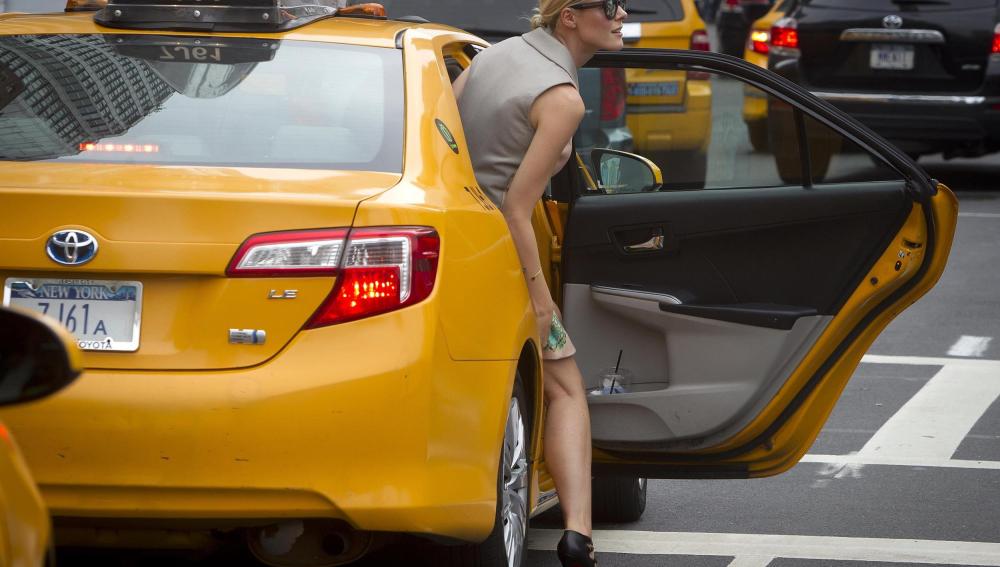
[[752, 561], [980, 215], [968, 345], [899, 461], [933, 423], [930, 361], [784, 546]]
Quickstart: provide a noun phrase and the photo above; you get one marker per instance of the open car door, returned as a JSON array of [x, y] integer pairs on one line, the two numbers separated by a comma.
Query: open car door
[[739, 303]]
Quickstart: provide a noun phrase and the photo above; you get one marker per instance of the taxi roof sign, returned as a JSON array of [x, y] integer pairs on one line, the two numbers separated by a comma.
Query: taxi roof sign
[[215, 15]]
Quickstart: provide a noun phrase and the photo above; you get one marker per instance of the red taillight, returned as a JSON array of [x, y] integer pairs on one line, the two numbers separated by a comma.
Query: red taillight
[[732, 6], [377, 269], [384, 269], [785, 36], [699, 42], [612, 94], [759, 40], [996, 39]]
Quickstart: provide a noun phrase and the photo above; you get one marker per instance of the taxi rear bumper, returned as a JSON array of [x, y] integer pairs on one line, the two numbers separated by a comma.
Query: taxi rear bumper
[[385, 435]]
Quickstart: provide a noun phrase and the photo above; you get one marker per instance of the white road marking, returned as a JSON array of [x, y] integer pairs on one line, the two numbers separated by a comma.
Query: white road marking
[[933, 423], [980, 215], [855, 459], [928, 429], [968, 345], [785, 546], [930, 361], [752, 561]]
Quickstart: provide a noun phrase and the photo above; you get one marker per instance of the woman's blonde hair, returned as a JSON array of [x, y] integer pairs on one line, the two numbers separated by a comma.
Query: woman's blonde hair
[[547, 13]]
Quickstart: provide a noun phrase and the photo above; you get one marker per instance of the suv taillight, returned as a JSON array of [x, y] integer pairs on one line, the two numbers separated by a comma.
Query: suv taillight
[[996, 39], [612, 94], [699, 42], [785, 34], [383, 269]]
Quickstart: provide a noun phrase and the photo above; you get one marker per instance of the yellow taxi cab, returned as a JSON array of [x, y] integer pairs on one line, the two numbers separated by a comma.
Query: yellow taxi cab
[[37, 358], [679, 145], [304, 323], [758, 46]]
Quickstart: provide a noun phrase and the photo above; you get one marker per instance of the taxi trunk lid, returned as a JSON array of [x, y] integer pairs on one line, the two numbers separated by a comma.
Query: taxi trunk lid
[[951, 56], [173, 231]]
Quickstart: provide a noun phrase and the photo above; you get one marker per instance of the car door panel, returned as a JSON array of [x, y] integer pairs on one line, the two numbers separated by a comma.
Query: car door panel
[[739, 245], [741, 312]]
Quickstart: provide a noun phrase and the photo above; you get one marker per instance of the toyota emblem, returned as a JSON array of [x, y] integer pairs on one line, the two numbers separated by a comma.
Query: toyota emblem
[[71, 247], [892, 22]]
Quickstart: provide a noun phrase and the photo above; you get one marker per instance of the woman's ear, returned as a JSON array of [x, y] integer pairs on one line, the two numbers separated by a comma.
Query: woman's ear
[[568, 18]]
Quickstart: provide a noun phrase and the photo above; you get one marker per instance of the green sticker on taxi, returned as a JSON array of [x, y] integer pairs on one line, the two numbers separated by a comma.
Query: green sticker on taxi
[[447, 135]]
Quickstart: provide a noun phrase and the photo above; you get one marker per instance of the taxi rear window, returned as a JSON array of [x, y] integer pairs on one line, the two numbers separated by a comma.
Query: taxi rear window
[[200, 100]]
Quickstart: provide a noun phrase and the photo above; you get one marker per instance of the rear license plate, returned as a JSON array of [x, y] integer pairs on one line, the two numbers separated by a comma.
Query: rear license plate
[[665, 88], [102, 315], [886, 56]]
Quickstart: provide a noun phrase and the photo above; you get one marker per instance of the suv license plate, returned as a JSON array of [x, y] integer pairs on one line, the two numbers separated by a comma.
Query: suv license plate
[[101, 314], [885, 56]]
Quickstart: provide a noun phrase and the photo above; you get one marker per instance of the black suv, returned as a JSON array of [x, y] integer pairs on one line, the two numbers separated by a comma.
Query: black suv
[[923, 73]]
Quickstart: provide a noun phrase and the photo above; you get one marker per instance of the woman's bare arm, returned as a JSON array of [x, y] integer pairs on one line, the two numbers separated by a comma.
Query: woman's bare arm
[[556, 115]]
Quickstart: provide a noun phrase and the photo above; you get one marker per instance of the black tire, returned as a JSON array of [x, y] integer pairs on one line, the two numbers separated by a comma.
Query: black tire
[[493, 551], [618, 499], [758, 135], [682, 169]]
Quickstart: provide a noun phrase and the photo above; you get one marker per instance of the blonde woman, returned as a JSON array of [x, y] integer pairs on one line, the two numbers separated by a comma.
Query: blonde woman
[[520, 106]]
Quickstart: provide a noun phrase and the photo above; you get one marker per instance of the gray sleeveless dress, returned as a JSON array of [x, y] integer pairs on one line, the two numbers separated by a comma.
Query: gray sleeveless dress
[[495, 105], [503, 83]]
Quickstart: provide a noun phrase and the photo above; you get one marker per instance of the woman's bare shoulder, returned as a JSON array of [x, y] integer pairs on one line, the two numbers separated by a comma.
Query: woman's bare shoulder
[[562, 101]]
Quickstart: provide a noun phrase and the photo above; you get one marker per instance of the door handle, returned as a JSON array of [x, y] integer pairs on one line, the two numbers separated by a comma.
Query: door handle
[[654, 243]]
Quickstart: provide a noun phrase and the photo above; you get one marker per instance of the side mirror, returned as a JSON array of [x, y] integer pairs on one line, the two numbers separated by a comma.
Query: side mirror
[[37, 356], [622, 172]]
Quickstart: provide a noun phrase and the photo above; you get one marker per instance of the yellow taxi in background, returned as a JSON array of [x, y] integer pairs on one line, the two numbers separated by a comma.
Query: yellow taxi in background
[[38, 357], [306, 327], [758, 46], [670, 112]]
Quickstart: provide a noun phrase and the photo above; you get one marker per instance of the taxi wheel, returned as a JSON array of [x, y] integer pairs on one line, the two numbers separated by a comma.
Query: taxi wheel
[[505, 545], [618, 499]]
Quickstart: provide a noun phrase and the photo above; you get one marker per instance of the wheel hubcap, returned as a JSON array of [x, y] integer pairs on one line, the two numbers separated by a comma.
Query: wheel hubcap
[[514, 513]]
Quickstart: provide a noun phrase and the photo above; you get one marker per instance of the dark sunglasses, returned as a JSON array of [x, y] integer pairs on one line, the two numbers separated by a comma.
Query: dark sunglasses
[[610, 6]]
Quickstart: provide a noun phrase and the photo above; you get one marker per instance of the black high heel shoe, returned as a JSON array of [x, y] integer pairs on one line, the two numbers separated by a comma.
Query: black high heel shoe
[[575, 550]]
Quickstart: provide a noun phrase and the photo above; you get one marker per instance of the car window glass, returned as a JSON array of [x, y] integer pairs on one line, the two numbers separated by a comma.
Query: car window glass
[[33, 6], [836, 159], [706, 131], [172, 100], [655, 10], [883, 5]]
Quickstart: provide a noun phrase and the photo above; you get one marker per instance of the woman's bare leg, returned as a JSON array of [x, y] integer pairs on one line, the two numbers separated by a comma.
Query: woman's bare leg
[[567, 441]]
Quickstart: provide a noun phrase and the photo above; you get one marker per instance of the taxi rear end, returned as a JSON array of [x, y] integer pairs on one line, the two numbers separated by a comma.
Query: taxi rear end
[[223, 222], [669, 112], [923, 74]]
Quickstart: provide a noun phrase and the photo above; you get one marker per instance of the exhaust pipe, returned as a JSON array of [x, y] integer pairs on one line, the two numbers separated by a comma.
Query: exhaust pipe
[[313, 543]]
